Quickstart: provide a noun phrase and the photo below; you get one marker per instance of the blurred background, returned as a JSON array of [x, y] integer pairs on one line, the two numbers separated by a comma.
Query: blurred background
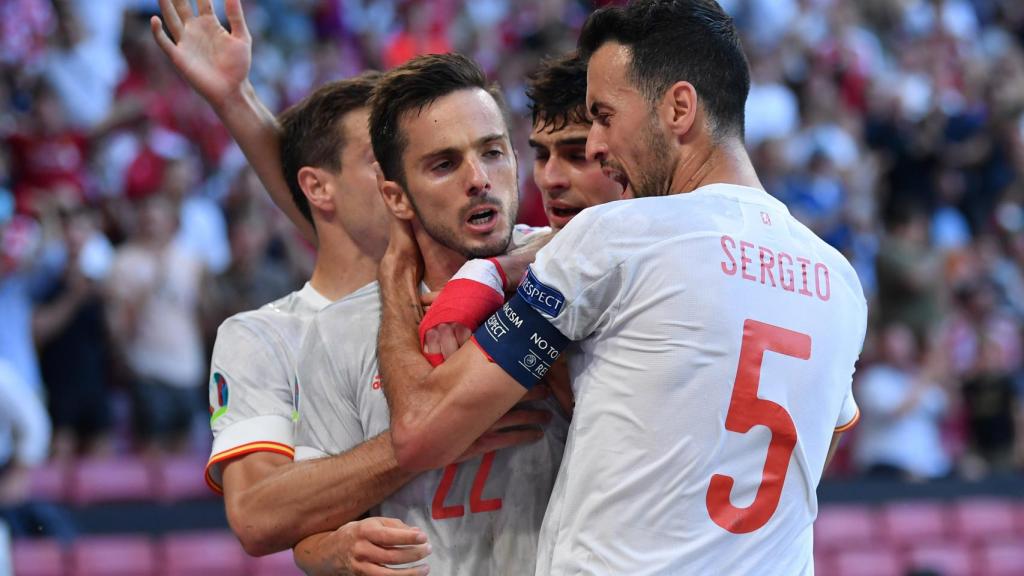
[[893, 128]]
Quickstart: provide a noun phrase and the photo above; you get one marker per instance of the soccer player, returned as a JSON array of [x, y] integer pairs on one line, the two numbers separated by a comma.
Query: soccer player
[[325, 176], [568, 181], [441, 139], [716, 335]]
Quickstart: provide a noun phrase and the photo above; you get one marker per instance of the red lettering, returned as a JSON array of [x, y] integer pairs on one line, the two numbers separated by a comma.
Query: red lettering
[[729, 271], [744, 260], [786, 273], [804, 263], [818, 268], [766, 265]]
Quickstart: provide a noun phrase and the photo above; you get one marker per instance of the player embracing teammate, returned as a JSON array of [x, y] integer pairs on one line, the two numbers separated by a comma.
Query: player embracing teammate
[[707, 393]]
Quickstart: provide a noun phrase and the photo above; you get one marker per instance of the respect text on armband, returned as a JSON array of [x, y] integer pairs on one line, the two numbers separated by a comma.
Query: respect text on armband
[[521, 340], [545, 298]]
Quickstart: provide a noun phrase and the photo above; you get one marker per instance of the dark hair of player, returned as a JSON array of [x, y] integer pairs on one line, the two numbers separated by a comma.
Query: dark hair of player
[[311, 134], [558, 92], [679, 40], [410, 88]]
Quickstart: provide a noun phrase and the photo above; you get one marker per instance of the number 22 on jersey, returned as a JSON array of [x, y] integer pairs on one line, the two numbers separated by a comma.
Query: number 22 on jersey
[[438, 510], [746, 410]]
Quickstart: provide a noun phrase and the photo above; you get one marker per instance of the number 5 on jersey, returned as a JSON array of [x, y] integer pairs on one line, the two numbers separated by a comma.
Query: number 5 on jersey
[[746, 410]]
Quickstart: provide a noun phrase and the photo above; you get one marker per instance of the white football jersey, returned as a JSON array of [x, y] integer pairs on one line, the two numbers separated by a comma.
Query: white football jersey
[[716, 338], [251, 374], [482, 517]]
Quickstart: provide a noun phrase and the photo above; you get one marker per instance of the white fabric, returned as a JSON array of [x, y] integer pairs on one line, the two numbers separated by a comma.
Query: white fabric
[[204, 233], [341, 405], [482, 272], [24, 423], [660, 321], [256, 354], [911, 442]]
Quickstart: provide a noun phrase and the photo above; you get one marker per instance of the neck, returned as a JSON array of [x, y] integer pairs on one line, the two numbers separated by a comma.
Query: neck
[[440, 263], [710, 163], [341, 266]]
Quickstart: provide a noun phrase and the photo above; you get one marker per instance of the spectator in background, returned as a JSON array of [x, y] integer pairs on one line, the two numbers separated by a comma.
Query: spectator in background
[[909, 273], [70, 332], [201, 228], [902, 407], [153, 306], [991, 406]]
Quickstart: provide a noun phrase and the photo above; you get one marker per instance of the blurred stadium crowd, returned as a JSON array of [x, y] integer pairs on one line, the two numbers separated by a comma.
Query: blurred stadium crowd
[[131, 225]]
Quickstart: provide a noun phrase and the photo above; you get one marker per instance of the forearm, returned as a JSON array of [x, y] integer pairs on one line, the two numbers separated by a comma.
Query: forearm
[[258, 134], [312, 557], [319, 495], [402, 366]]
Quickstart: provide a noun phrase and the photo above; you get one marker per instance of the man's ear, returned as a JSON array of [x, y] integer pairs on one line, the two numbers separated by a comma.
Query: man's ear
[[314, 184], [678, 108], [394, 196]]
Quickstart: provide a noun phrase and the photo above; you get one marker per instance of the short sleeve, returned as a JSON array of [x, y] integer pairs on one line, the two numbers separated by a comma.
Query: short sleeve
[[849, 413], [250, 396], [326, 403], [576, 278]]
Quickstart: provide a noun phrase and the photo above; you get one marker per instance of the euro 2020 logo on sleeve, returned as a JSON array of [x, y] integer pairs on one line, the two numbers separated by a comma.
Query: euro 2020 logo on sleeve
[[219, 405], [544, 298]]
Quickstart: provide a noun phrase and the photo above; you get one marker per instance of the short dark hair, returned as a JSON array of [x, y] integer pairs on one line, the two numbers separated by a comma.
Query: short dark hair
[[674, 40], [412, 87], [558, 92], [310, 134]]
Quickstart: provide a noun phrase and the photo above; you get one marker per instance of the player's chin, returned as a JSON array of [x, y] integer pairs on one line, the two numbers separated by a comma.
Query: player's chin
[[487, 246]]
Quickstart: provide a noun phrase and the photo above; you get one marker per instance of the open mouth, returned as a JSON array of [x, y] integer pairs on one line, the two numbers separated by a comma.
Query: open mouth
[[616, 175], [482, 217], [565, 212]]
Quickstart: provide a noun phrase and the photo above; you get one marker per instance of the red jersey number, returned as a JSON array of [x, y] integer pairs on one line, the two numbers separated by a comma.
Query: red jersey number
[[477, 503], [746, 410]]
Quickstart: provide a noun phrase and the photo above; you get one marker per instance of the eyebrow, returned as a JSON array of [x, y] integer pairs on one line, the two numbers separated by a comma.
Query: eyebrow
[[572, 141], [452, 150]]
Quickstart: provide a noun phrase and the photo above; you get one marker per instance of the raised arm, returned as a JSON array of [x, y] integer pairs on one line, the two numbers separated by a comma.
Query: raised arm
[[216, 62]]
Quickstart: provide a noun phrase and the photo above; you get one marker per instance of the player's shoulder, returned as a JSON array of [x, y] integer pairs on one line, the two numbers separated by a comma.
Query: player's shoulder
[[356, 315]]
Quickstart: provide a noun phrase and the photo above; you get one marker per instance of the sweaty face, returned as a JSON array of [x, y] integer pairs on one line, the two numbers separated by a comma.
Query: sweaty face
[[568, 182], [627, 137], [460, 173], [359, 207]]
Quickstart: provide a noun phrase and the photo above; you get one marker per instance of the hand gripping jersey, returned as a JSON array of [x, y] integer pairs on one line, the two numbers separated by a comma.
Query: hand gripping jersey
[[251, 376], [716, 338], [483, 516]]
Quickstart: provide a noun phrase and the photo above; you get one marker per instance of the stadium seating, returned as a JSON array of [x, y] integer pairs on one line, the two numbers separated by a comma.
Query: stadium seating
[[39, 558], [1002, 559], [947, 558], [842, 526], [976, 520], [49, 482], [181, 478], [875, 561], [102, 480], [202, 553], [915, 523], [113, 556]]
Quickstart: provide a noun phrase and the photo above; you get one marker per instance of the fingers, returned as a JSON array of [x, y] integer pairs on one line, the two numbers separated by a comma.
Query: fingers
[[449, 344], [184, 12], [381, 534], [427, 298], [364, 551], [431, 342], [162, 40], [170, 16], [205, 7], [521, 417], [236, 18], [462, 334]]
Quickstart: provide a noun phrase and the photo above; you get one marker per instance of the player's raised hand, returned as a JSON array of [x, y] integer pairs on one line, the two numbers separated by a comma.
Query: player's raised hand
[[367, 547], [214, 61]]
